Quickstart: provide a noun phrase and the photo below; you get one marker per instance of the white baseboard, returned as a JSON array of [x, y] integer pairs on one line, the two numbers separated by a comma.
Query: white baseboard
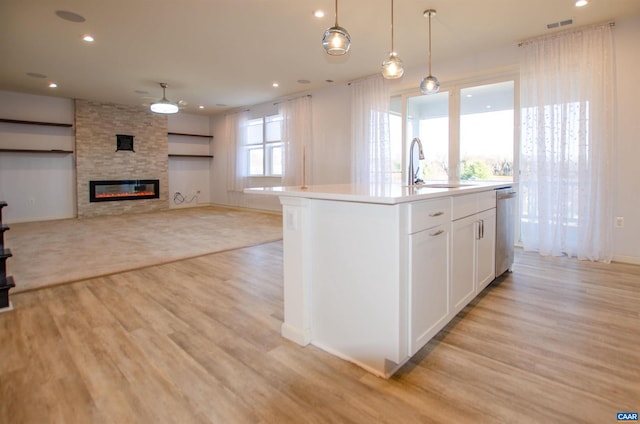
[[39, 219], [245, 208], [634, 260], [389, 367], [295, 334], [7, 309]]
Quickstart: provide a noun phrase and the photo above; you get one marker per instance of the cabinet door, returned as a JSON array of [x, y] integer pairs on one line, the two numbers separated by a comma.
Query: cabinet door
[[486, 251], [429, 284], [463, 246]]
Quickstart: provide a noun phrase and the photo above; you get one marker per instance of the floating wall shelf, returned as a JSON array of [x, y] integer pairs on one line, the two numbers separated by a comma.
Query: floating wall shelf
[[172, 155], [191, 135], [37, 151], [49, 124]]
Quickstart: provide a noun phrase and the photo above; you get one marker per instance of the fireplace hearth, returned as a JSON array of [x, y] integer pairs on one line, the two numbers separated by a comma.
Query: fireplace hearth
[[116, 190]]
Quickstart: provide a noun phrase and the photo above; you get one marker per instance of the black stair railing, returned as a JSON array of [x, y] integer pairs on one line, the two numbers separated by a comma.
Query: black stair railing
[[6, 282]]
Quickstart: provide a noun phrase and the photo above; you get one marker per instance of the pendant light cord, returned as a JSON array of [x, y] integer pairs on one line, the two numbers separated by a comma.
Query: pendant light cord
[[392, 49], [336, 13], [430, 43]]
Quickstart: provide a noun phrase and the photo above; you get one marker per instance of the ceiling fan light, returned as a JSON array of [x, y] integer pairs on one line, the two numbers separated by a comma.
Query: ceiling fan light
[[430, 85], [336, 41], [393, 67], [164, 106]]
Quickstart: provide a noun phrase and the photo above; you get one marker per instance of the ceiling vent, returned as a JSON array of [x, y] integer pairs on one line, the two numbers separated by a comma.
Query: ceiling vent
[[560, 23]]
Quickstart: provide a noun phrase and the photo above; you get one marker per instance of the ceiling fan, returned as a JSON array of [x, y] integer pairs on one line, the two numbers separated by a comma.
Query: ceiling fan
[[164, 105]]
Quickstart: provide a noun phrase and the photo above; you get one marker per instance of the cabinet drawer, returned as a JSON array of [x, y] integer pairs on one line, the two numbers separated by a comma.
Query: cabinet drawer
[[429, 213], [470, 204]]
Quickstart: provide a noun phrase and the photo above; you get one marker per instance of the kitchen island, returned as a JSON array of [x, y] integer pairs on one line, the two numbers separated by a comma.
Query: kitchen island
[[373, 272]]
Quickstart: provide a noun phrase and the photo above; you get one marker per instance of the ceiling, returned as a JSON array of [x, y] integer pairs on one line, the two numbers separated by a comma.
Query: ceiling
[[223, 54]]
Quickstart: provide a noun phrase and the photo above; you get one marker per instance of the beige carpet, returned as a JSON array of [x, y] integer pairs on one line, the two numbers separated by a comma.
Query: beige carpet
[[54, 252]]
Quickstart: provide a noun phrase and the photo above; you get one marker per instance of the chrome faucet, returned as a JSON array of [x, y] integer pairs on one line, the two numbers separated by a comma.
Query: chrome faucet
[[412, 171]]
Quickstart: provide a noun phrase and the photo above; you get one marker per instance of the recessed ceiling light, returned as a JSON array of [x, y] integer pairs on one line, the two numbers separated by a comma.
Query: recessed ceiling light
[[488, 106], [329, 80], [200, 107], [275, 84], [318, 13], [88, 38], [69, 16], [304, 81], [53, 85], [221, 105], [141, 91], [581, 3], [469, 95]]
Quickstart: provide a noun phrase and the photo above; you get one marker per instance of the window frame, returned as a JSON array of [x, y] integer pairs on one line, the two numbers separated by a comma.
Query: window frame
[[265, 146], [454, 88]]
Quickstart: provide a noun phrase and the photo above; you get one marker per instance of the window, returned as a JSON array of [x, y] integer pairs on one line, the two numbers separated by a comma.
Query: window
[[395, 138], [486, 132], [395, 129], [428, 120], [467, 132], [264, 146]]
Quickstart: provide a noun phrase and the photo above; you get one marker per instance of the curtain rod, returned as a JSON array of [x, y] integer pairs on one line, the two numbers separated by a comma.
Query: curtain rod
[[293, 98], [234, 111], [366, 77], [568, 31]]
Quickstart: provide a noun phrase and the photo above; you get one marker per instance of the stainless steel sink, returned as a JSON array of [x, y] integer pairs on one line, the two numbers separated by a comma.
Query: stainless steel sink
[[446, 185], [441, 185]]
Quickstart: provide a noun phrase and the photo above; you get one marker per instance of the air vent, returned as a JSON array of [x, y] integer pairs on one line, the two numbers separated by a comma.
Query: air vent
[[560, 23]]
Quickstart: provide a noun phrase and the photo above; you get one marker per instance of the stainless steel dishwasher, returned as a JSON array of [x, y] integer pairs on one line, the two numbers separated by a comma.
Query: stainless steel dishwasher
[[505, 229]]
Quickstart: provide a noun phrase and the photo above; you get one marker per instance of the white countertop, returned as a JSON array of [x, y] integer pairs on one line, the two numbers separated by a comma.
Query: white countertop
[[389, 194]]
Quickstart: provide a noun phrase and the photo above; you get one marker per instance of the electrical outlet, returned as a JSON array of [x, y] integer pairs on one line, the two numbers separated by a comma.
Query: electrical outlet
[[619, 221]]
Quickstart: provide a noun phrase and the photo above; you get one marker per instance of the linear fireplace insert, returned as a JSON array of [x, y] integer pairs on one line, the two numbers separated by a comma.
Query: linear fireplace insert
[[114, 190]]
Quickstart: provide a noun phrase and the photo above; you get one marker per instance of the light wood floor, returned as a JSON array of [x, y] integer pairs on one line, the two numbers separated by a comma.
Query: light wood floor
[[198, 341]]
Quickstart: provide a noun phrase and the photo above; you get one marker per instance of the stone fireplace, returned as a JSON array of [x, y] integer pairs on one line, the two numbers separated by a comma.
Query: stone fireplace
[[105, 173]]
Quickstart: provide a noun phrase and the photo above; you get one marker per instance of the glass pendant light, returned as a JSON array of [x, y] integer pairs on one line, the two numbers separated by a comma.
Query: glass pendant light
[[336, 40], [429, 84], [392, 68], [164, 105]]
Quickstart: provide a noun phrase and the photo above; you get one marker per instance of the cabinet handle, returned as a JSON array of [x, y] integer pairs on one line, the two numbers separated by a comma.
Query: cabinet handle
[[437, 233], [436, 214], [482, 228]]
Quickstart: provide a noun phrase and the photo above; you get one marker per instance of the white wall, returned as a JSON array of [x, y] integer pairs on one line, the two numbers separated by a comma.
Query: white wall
[[328, 155], [627, 157], [190, 177], [37, 186]]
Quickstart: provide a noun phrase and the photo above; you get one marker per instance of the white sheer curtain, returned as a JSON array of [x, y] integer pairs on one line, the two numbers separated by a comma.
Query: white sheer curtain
[[296, 139], [371, 145], [236, 135], [567, 86]]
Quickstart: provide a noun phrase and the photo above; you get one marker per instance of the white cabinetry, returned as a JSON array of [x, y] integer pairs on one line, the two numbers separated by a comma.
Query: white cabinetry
[[429, 247], [486, 250], [371, 279], [472, 247]]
